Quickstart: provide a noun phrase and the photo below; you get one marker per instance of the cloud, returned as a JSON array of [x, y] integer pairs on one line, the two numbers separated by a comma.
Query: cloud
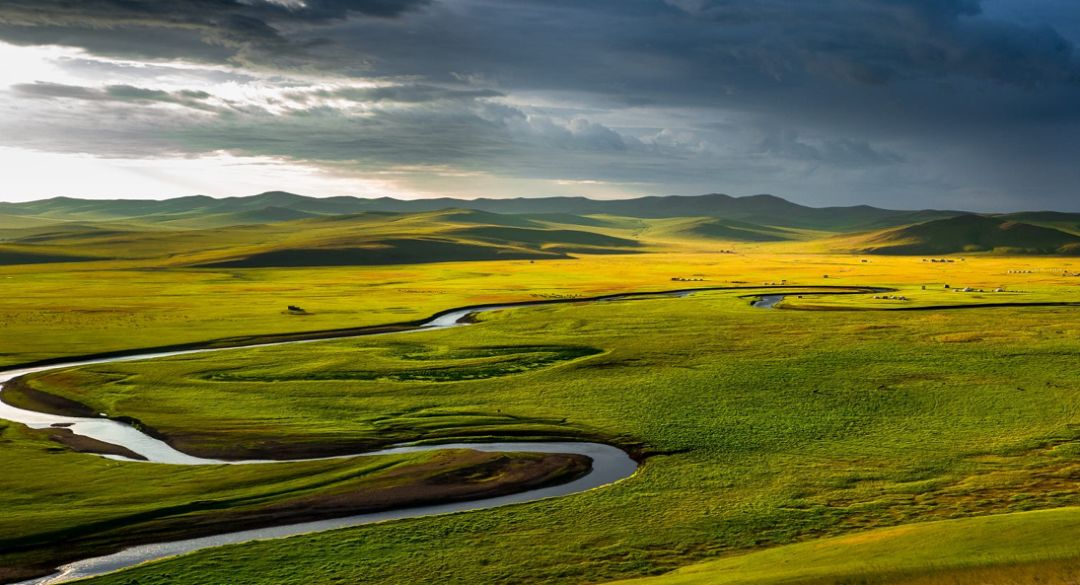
[[838, 152], [878, 41], [412, 93], [111, 93], [243, 32], [821, 100]]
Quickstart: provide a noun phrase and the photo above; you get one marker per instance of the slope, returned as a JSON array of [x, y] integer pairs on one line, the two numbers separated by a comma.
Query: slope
[[969, 233], [357, 239], [1067, 222], [1023, 547], [757, 209]]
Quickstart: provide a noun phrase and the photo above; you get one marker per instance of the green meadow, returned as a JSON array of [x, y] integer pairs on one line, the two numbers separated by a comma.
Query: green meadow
[[49, 311], [61, 506], [926, 433], [762, 428]]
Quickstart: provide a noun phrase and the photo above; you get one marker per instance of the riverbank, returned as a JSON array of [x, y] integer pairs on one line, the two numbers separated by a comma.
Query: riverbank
[[450, 476]]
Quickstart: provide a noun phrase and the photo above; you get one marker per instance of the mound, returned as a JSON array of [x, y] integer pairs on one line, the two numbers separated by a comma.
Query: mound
[[272, 214], [532, 237], [733, 231], [65, 234], [472, 216], [8, 257], [972, 233], [1068, 222], [571, 219], [383, 252]]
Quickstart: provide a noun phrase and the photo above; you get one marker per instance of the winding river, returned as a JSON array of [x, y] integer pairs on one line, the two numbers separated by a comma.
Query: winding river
[[609, 464]]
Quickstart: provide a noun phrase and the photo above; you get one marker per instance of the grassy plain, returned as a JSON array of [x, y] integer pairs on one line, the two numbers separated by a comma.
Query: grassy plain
[[775, 426], [80, 308]]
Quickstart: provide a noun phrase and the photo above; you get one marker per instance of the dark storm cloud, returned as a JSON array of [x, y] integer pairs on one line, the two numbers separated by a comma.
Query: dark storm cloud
[[118, 93], [954, 91], [940, 102], [785, 143], [246, 31], [411, 93]]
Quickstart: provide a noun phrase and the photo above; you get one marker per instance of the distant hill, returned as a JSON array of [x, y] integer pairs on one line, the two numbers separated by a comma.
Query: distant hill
[[1068, 222], [444, 236], [269, 214], [972, 233], [17, 256], [369, 238], [765, 210], [532, 237], [382, 252], [285, 229], [720, 230]]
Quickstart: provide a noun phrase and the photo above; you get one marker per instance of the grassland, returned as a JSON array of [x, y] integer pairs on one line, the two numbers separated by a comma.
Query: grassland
[[60, 505], [844, 439], [1006, 549], [121, 305], [768, 427]]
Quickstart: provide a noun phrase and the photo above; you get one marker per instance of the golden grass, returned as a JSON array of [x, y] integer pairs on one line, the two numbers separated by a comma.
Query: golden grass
[[71, 309], [1020, 548]]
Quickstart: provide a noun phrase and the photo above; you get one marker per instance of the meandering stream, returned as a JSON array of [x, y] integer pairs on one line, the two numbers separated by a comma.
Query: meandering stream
[[609, 464]]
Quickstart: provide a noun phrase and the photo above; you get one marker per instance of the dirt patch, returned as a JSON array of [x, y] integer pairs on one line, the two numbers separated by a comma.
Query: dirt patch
[[20, 394], [467, 475], [16, 574], [83, 444]]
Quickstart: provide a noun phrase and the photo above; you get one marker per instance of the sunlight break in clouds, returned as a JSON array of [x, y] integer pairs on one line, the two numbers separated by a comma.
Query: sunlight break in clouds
[[218, 173], [39, 175]]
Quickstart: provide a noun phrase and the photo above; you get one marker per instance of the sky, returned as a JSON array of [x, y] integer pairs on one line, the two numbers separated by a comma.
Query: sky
[[958, 104]]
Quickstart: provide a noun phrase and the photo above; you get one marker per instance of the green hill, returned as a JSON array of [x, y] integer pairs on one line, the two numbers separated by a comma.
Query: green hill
[[280, 228], [756, 209], [17, 222], [381, 252], [971, 233], [1024, 547], [474, 217], [421, 238], [69, 231], [9, 255], [368, 238], [197, 220], [726, 230], [540, 237], [1068, 222]]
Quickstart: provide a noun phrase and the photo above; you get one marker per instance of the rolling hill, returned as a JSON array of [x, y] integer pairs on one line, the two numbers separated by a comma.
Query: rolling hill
[[381, 252], [716, 230], [285, 229], [23, 256], [1066, 222], [971, 233], [767, 210], [451, 235], [371, 238]]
